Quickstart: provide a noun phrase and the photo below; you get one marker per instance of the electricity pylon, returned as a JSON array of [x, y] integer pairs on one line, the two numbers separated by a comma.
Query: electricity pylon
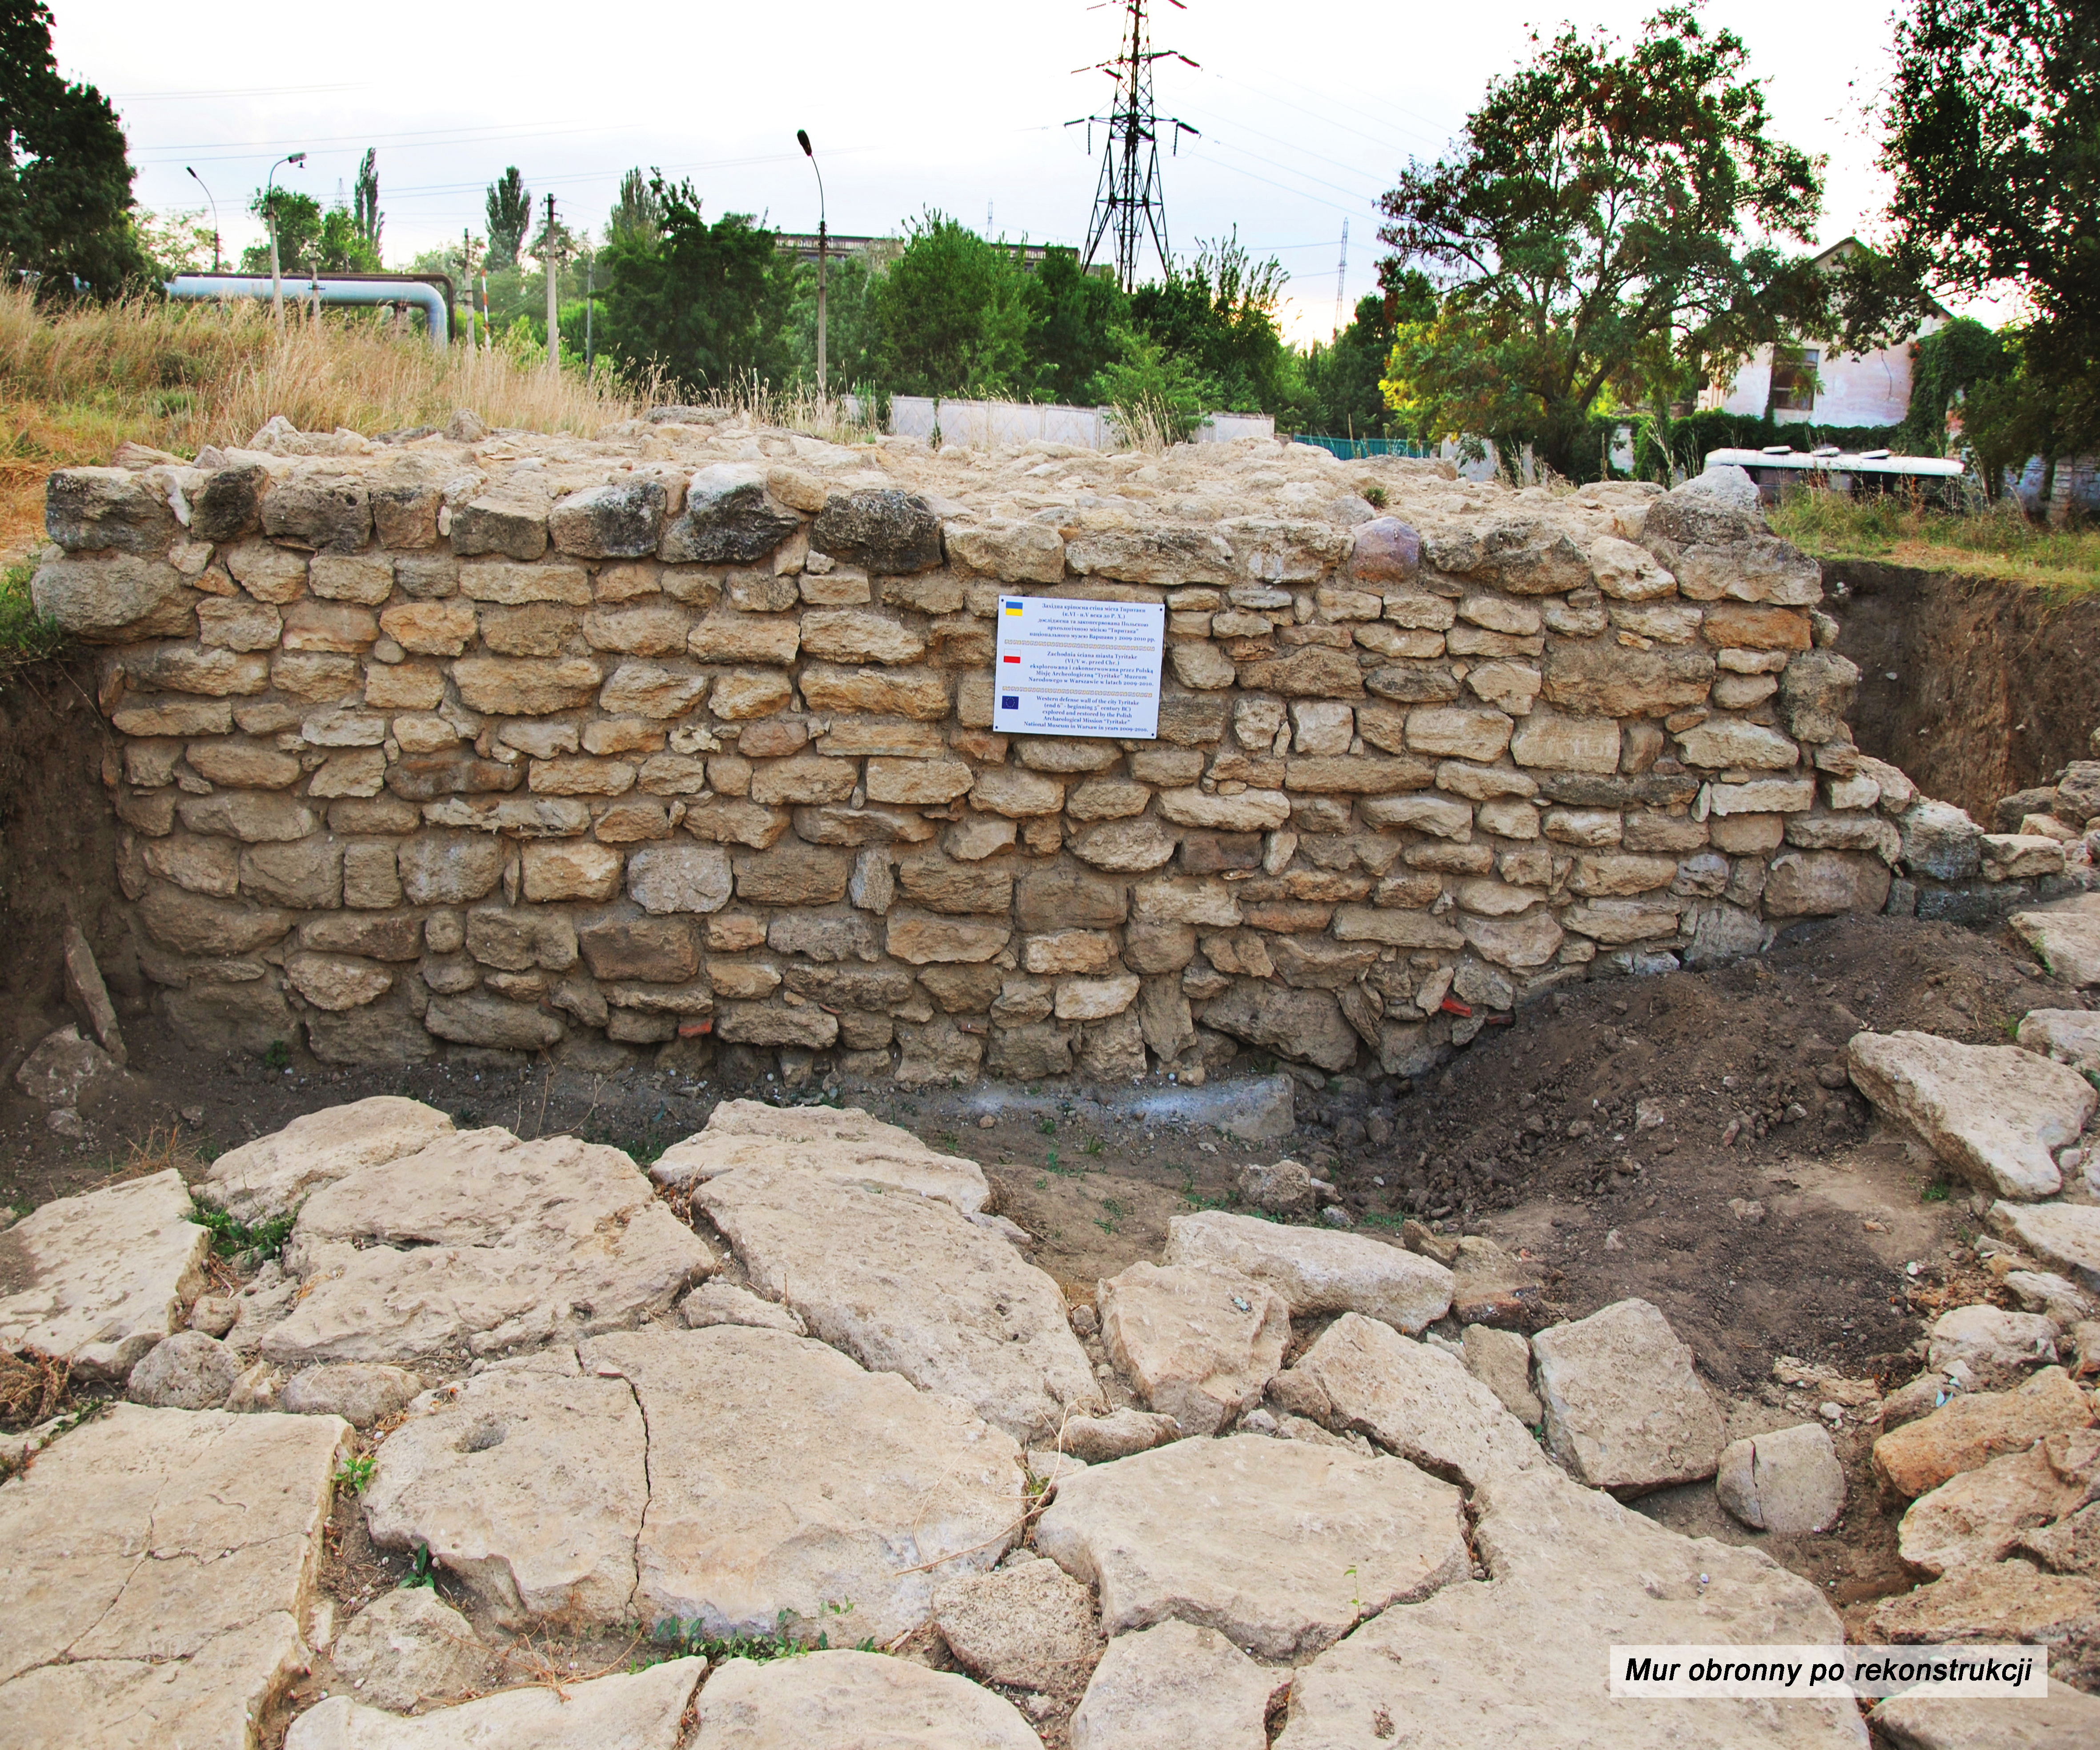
[[1130, 203]]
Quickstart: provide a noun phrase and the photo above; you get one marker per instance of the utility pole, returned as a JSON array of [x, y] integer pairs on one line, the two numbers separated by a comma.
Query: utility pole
[[1130, 200], [824, 250], [590, 298], [199, 180], [552, 261], [270, 212], [1341, 279]]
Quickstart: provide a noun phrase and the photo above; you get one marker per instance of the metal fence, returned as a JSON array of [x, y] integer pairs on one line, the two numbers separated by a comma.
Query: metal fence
[[1356, 449]]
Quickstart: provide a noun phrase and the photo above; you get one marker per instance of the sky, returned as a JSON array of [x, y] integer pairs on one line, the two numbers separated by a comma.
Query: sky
[[934, 102]]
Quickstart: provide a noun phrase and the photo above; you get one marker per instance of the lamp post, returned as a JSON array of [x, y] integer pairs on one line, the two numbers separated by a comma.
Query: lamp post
[[270, 212], [802, 136], [199, 181]]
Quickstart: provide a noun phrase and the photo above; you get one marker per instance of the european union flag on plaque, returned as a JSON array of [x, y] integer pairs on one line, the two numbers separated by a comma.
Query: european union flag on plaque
[[1009, 701]]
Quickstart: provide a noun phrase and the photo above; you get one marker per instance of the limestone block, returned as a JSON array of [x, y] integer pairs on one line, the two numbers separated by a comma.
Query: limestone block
[[1316, 1271], [329, 982], [1789, 1481], [116, 599], [2065, 1236], [104, 509], [186, 1371], [920, 694], [1172, 1685], [1624, 1410], [1994, 1113], [834, 1700], [1017, 794], [643, 1710], [408, 1646], [1255, 1537], [1459, 733], [922, 1292], [196, 923], [326, 508], [619, 521], [361, 1392], [1501, 1360], [1610, 681], [1200, 1343], [1013, 552], [725, 637], [886, 531], [2067, 937], [570, 869], [659, 949], [430, 629], [1731, 741], [675, 878], [525, 686]]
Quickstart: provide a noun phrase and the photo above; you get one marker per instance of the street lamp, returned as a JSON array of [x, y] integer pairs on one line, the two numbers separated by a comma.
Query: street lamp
[[270, 212], [802, 136], [199, 181]]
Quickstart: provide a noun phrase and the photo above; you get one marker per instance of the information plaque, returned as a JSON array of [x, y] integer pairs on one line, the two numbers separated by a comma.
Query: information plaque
[[1067, 668]]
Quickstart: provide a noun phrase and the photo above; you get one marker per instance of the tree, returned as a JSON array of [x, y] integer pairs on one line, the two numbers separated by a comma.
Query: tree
[[1219, 313], [951, 313], [1073, 319], [509, 209], [310, 240], [65, 181], [638, 212], [366, 214], [706, 305], [1342, 378], [1595, 228], [1994, 143]]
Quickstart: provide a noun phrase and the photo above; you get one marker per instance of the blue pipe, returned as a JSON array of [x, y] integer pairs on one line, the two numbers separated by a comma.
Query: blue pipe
[[424, 296]]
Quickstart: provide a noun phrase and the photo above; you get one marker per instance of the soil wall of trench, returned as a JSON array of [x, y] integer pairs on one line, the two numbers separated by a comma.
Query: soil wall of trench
[[1975, 689]]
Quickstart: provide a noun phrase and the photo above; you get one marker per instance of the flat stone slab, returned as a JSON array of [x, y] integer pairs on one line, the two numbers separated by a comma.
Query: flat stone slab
[[907, 1285], [2068, 1036], [2062, 1720], [785, 1479], [1314, 1269], [529, 1481], [1501, 1360], [851, 1701], [2067, 938], [1256, 1538], [1200, 1344], [1028, 1624], [1520, 1658], [1994, 1113], [2065, 1235], [158, 1567], [1970, 1430], [481, 1243], [1789, 1481], [274, 1174], [100, 1278], [1624, 1410], [636, 1712], [1990, 1340], [1174, 1685], [409, 1646], [1363, 1377], [2002, 1603], [839, 1142]]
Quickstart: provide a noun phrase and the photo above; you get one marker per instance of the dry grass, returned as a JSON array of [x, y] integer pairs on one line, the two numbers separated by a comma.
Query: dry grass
[[32, 1385], [77, 382], [1998, 542]]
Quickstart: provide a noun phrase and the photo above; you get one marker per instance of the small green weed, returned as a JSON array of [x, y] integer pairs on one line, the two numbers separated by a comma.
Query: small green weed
[[1110, 1219], [1375, 497], [419, 1571], [278, 1057], [26, 636], [1935, 1193], [231, 1237], [1048, 1127], [1095, 1146], [1050, 1161], [355, 1473], [674, 1639], [1374, 1219]]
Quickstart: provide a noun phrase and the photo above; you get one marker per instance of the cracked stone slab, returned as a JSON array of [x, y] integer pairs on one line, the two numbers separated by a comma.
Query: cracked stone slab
[[1316, 1269], [839, 1142], [529, 1481], [907, 1285], [784, 1478], [850, 1701], [156, 1566], [1994, 1113], [1522, 1657], [1280, 1545], [2062, 1720], [1363, 1377], [2066, 936], [1624, 1410], [2064, 1235], [484, 1243], [274, 1174], [1173, 1686], [640, 1711], [100, 1278]]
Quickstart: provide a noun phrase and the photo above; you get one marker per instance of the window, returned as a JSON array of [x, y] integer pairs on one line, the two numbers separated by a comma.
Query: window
[[1793, 379]]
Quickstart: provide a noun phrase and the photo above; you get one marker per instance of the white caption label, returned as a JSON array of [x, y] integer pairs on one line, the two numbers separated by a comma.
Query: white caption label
[[1067, 668]]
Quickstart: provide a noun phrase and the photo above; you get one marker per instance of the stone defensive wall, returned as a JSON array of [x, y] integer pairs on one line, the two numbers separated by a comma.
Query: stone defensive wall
[[508, 740]]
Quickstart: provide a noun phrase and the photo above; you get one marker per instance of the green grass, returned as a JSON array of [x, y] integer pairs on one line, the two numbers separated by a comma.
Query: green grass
[[26, 636], [1999, 543], [355, 1474], [233, 1238], [673, 1639]]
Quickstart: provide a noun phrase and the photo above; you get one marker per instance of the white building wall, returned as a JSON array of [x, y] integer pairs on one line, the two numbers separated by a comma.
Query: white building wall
[[1863, 389], [986, 424]]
